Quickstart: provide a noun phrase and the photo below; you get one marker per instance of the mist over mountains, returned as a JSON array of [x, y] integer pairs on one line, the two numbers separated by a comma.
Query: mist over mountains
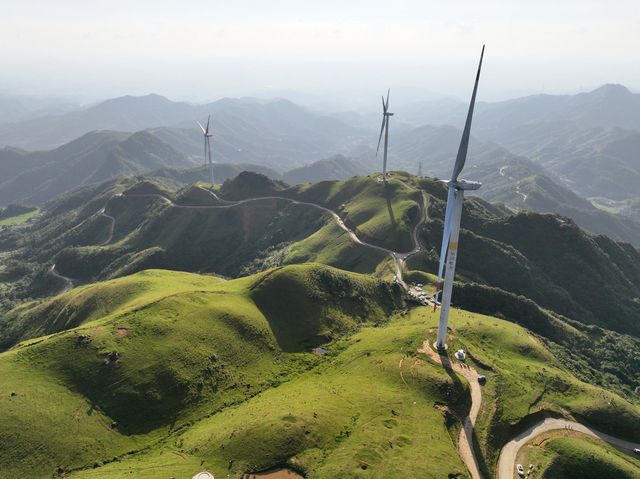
[[560, 151], [117, 290]]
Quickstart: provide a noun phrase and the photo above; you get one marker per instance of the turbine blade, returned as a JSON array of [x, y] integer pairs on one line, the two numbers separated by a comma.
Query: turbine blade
[[461, 158], [384, 120], [384, 106], [388, 90], [448, 219], [208, 120], [201, 127]]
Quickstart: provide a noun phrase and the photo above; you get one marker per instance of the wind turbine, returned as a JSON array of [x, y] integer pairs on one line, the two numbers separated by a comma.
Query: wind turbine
[[452, 218], [384, 128], [207, 147]]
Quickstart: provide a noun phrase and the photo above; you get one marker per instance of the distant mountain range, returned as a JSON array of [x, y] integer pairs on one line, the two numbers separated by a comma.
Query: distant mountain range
[[580, 146], [337, 167], [609, 106], [589, 141], [15, 108], [277, 133], [39, 176]]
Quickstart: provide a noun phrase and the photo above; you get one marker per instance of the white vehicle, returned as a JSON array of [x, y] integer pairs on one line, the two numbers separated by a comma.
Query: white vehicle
[[460, 355], [637, 450], [520, 470]]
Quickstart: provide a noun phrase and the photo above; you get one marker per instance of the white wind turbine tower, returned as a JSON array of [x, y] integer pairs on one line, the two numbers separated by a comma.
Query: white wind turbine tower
[[452, 218], [207, 148], [384, 128]]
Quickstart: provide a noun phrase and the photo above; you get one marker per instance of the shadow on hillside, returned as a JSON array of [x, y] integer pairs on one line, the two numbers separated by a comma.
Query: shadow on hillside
[[388, 192]]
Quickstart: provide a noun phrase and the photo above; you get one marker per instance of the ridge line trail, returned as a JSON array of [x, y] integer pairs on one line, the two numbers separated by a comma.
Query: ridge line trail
[[102, 212], [68, 283], [398, 257], [465, 440], [509, 452]]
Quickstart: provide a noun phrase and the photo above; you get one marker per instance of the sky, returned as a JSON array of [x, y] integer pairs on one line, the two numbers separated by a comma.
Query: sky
[[323, 51]]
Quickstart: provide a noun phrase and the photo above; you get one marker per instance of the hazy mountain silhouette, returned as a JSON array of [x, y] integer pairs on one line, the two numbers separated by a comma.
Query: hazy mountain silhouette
[[39, 176]]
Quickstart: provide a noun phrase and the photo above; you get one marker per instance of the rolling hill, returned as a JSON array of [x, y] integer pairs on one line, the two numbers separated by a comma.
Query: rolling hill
[[127, 226], [171, 373], [145, 371], [93, 158], [546, 258]]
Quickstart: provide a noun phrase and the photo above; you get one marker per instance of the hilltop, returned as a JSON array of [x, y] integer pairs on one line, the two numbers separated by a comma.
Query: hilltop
[[512, 265], [36, 177], [176, 372], [110, 230]]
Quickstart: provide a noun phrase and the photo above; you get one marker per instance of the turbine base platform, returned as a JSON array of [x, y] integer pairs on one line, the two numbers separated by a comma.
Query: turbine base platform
[[440, 349]]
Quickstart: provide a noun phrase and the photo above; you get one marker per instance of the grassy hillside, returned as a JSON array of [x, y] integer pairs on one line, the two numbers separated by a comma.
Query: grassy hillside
[[195, 372], [545, 258], [380, 213], [120, 227], [18, 219], [151, 351], [564, 456], [527, 381]]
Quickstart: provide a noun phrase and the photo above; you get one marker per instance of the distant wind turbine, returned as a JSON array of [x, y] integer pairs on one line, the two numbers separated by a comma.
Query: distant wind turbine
[[452, 218], [384, 128], [207, 147]]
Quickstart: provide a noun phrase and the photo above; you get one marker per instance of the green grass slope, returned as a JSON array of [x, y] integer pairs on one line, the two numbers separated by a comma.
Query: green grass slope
[[527, 381], [86, 303], [380, 213], [579, 458], [375, 407], [168, 373], [152, 351]]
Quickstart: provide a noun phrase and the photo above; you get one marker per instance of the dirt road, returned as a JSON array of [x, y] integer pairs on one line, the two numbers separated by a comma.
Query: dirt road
[[465, 440], [398, 257], [507, 461]]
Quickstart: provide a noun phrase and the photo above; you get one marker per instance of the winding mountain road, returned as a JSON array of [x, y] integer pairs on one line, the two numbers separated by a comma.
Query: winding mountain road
[[508, 454], [111, 227], [68, 283], [398, 257], [507, 460]]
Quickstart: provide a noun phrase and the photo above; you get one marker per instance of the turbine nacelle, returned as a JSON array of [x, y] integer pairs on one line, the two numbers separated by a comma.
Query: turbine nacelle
[[464, 185]]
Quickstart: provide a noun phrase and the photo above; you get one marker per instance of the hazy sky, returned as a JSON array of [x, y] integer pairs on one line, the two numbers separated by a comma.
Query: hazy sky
[[196, 50]]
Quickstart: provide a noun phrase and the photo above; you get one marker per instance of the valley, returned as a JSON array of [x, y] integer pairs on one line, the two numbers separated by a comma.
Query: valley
[[286, 321], [142, 409]]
